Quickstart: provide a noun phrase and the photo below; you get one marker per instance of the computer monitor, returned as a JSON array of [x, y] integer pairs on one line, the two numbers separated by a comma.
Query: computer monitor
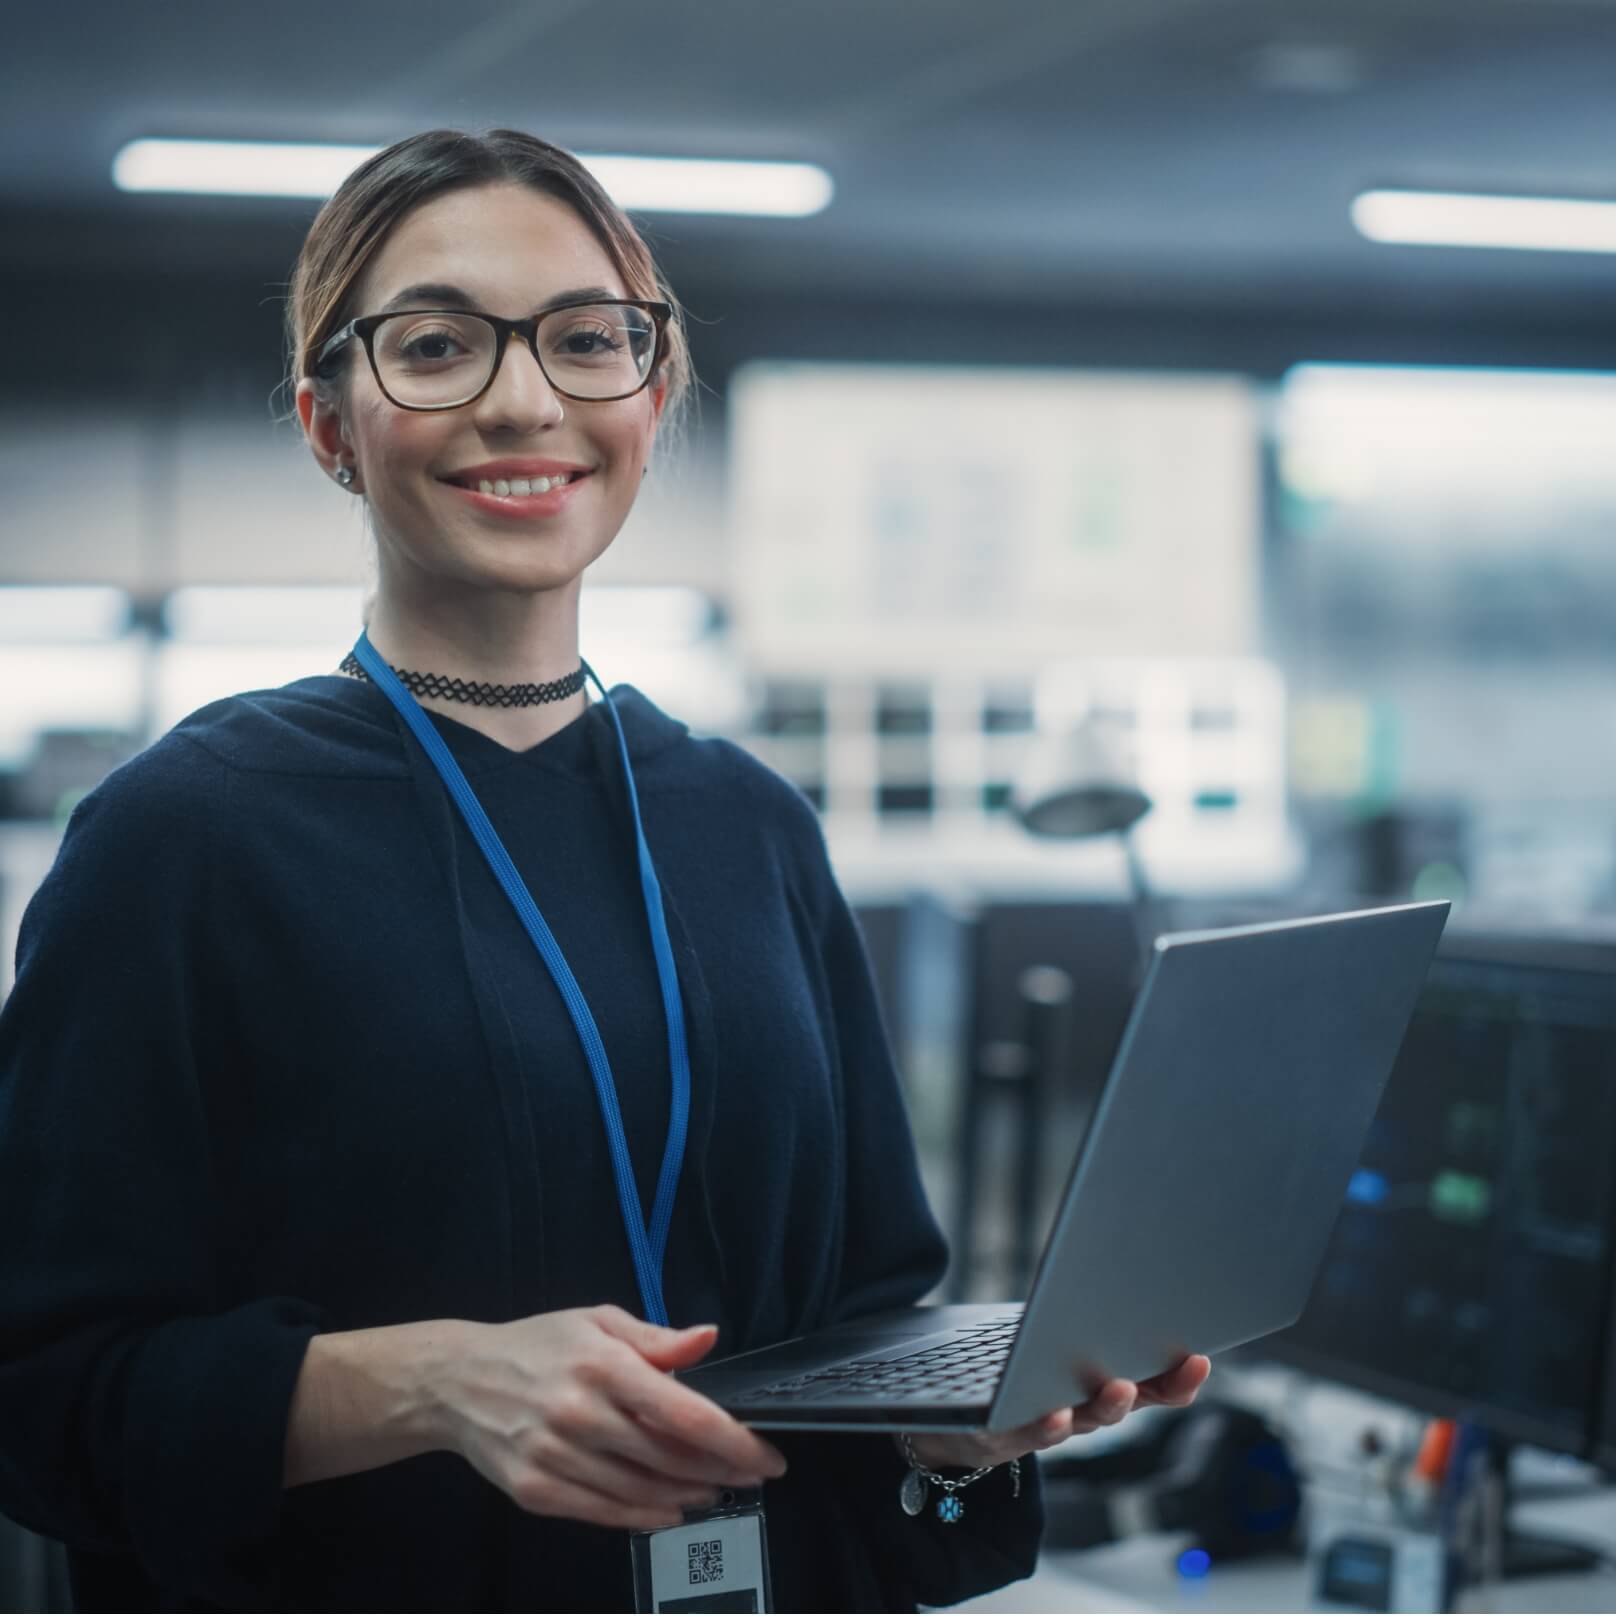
[[1096, 946], [1471, 1267]]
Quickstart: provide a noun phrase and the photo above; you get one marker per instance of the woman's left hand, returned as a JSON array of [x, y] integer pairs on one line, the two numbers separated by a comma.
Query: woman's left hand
[[1113, 1402]]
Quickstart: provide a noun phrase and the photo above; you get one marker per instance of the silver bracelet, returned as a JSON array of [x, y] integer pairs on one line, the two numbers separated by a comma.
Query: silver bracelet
[[912, 1491]]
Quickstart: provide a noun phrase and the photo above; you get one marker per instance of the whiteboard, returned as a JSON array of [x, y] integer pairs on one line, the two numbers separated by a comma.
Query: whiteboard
[[908, 519]]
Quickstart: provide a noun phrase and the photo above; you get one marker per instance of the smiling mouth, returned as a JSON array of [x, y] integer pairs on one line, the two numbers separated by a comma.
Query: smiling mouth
[[515, 487]]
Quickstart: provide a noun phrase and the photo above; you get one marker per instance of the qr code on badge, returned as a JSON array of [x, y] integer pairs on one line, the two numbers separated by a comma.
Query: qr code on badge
[[707, 1561]]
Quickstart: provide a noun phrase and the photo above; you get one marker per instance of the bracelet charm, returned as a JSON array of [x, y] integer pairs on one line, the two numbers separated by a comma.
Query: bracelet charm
[[950, 1507]]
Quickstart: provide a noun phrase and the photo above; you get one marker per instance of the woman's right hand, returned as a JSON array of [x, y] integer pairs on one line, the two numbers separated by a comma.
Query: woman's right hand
[[574, 1413]]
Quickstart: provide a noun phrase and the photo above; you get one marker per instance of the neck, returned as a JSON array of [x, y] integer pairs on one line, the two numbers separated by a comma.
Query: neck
[[497, 636]]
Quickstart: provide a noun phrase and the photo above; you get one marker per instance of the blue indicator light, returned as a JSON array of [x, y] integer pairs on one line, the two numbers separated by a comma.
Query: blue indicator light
[[1194, 1563], [1367, 1188]]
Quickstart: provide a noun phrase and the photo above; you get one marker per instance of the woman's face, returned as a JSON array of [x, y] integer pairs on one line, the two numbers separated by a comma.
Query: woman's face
[[511, 250]]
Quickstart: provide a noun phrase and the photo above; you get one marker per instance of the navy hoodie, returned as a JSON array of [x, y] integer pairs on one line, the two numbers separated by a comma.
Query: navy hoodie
[[280, 1060]]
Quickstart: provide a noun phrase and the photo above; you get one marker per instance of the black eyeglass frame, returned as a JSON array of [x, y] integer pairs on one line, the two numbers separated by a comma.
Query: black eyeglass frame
[[364, 328]]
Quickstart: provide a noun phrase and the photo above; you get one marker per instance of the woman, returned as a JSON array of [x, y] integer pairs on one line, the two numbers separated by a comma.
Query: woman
[[328, 1285]]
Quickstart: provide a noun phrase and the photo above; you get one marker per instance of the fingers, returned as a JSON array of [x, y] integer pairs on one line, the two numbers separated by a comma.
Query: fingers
[[593, 1459], [1112, 1403], [667, 1349], [664, 1455], [1178, 1387], [1114, 1400], [694, 1422], [630, 1485], [574, 1414], [1050, 1431], [676, 1412], [969, 1449], [1036, 1435]]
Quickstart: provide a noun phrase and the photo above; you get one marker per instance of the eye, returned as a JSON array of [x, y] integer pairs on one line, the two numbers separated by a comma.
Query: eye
[[429, 345], [582, 341]]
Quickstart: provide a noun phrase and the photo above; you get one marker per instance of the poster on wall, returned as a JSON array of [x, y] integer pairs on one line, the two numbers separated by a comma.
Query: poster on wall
[[908, 519]]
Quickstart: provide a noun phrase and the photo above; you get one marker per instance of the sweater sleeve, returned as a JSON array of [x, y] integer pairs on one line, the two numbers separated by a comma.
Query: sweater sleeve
[[139, 1414], [893, 1255]]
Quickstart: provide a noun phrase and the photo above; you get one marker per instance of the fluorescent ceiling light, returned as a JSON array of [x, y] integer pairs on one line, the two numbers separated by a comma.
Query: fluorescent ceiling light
[[235, 167], [701, 185], [640, 184], [1458, 219]]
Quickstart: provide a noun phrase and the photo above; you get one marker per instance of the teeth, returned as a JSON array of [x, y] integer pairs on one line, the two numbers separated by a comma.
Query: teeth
[[523, 485]]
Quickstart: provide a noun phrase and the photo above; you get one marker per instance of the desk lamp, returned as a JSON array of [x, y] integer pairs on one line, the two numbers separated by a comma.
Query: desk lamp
[[1076, 783]]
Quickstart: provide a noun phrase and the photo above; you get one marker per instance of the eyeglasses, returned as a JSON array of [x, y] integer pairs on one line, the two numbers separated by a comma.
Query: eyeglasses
[[439, 359]]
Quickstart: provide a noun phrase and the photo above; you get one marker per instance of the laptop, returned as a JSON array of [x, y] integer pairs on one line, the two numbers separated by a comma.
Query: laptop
[[1198, 1207]]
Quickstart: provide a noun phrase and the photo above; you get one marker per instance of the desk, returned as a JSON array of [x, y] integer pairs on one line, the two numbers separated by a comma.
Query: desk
[[1321, 1423], [1137, 1575]]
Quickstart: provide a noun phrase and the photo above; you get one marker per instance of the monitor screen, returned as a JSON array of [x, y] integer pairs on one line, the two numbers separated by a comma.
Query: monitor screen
[[1470, 1269]]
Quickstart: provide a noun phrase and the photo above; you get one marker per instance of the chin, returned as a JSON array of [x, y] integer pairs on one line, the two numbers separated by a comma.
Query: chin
[[533, 571], [473, 556], [535, 578]]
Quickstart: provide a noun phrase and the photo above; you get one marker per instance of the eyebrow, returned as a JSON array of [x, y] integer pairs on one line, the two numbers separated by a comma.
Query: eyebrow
[[441, 295]]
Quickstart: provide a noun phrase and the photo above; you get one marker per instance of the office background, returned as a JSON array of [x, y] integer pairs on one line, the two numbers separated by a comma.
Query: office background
[[1086, 398]]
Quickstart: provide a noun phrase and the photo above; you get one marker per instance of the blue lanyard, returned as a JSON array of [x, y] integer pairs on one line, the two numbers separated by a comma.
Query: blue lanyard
[[647, 1246]]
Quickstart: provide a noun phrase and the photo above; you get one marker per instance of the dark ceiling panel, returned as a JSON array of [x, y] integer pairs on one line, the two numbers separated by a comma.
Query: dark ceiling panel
[[1085, 150]]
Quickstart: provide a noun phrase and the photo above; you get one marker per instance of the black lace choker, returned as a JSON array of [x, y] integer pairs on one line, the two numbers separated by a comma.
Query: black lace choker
[[479, 695]]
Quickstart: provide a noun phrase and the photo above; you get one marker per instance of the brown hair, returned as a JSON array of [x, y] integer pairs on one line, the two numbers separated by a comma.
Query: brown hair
[[350, 228]]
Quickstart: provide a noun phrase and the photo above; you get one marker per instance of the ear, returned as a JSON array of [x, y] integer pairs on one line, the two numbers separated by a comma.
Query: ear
[[323, 427]]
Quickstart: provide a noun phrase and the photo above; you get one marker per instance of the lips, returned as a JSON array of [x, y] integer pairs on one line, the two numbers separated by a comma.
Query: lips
[[518, 506]]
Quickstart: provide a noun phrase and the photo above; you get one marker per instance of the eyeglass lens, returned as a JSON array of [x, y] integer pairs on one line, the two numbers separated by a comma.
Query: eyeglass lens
[[601, 350]]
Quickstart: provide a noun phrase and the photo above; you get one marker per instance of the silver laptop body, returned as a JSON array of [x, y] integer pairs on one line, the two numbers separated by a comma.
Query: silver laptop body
[[1198, 1208]]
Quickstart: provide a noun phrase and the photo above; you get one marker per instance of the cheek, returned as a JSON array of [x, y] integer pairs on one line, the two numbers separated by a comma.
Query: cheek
[[634, 430], [405, 451], [625, 447]]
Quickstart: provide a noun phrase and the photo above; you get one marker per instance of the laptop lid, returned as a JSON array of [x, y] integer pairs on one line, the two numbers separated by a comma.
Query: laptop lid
[[1205, 1190]]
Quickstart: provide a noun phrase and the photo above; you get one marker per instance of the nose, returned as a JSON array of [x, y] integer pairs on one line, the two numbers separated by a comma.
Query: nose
[[520, 394]]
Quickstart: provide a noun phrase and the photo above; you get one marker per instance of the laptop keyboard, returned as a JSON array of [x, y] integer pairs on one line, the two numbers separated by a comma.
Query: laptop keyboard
[[964, 1369]]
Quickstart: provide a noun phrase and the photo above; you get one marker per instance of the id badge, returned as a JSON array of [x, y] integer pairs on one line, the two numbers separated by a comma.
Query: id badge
[[717, 1560]]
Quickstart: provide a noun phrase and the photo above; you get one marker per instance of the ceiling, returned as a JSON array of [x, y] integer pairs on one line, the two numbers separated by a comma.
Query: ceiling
[[1145, 153]]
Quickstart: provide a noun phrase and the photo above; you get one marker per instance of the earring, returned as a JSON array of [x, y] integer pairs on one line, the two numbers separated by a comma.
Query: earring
[[345, 475]]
